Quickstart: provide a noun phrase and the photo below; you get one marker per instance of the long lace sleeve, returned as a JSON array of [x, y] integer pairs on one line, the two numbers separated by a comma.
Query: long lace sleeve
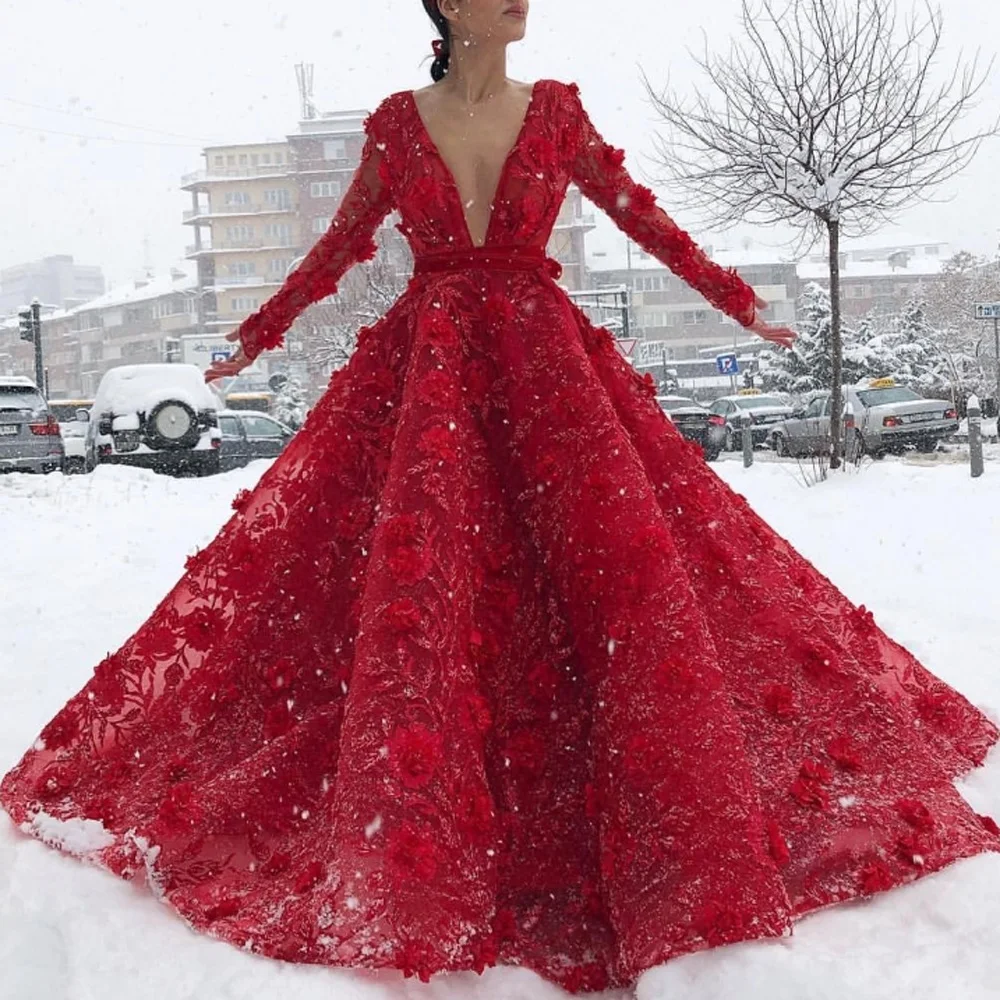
[[347, 241], [599, 173]]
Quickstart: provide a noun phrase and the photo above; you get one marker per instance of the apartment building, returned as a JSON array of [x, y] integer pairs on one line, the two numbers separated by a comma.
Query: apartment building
[[880, 277], [55, 280], [665, 309], [137, 323]]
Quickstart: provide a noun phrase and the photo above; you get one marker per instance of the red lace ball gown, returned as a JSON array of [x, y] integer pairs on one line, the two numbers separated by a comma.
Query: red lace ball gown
[[490, 666]]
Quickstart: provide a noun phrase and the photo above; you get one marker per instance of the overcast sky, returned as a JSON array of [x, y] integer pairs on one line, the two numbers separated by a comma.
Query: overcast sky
[[150, 84]]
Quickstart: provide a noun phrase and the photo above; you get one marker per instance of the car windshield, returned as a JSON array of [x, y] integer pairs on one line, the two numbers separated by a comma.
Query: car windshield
[[894, 394], [675, 402], [757, 402], [19, 397], [65, 413]]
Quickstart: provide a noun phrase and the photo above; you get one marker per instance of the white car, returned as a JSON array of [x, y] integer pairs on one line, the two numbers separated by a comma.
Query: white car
[[73, 425], [161, 416]]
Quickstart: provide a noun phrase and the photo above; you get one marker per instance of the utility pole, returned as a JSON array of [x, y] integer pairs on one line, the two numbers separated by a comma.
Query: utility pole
[[30, 328]]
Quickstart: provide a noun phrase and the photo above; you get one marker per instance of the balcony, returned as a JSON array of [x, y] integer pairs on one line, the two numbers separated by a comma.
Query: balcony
[[256, 244], [221, 282], [584, 220], [215, 174], [231, 210]]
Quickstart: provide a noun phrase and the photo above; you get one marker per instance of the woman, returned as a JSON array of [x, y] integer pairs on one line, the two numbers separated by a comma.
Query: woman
[[490, 666]]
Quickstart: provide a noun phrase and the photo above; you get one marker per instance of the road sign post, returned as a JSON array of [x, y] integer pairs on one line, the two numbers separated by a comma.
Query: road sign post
[[728, 364], [991, 310]]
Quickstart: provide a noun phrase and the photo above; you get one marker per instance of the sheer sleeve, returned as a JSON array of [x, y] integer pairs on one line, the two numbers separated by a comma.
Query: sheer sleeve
[[347, 241], [599, 173]]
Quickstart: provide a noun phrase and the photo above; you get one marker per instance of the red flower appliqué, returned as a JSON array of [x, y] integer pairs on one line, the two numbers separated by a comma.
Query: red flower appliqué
[[439, 443], [411, 853], [414, 754], [779, 700], [407, 552], [875, 877]]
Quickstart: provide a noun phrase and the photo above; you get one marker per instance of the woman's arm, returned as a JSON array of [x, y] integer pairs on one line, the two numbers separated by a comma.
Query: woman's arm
[[347, 241], [599, 173]]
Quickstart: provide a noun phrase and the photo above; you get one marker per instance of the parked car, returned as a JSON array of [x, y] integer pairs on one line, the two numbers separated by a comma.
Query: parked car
[[764, 412], [159, 416], [73, 426], [891, 417], [880, 416], [30, 440], [807, 430], [693, 421], [247, 436]]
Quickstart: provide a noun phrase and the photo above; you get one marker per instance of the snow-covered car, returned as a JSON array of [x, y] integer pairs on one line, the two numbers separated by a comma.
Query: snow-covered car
[[73, 426], [693, 421], [160, 416], [30, 440], [764, 412], [891, 417], [247, 436]]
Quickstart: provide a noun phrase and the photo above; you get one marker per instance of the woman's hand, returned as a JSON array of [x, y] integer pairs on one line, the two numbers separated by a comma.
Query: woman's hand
[[781, 335], [232, 366]]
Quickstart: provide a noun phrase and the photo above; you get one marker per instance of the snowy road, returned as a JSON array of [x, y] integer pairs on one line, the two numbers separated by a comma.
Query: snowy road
[[85, 559]]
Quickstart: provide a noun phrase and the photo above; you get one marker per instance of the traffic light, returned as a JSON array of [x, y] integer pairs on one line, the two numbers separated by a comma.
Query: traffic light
[[26, 324]]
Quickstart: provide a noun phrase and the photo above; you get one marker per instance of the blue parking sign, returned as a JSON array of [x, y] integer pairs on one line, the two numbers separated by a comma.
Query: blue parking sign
[[220, 356], [727, 364]]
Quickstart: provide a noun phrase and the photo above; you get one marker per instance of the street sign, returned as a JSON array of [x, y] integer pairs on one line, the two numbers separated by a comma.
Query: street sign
[[627, 345], [221, 356], [988, 310], [727, 364]]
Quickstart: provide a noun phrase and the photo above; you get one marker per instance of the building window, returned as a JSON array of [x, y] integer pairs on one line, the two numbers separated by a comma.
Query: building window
[[278, 232], [244, 303], [231, 160], [279, 158], [278, 198], [325, 189], [241, 268], [236, 234], [220, 160], [243, 159], [321, 223], [694, 317], [279, 265], [334, 149], [237, 198]]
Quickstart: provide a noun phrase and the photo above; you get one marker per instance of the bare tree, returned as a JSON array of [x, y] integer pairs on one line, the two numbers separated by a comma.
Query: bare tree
[[365, 295], [967, 342], [827, 115]]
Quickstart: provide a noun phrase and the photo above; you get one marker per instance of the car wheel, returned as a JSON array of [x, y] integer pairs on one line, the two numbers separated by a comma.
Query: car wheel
[[171, 425], [856, 446], [711, 454], [780, 445], [927, 446], [730, 444]]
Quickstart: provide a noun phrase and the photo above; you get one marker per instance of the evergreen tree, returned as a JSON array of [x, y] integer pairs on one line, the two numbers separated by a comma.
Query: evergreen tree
[[290, 406]]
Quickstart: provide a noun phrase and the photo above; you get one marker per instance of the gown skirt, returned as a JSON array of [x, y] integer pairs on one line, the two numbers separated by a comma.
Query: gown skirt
[[491, 667]]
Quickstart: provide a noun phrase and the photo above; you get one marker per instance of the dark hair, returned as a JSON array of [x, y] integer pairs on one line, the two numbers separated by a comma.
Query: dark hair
[[440, 65]]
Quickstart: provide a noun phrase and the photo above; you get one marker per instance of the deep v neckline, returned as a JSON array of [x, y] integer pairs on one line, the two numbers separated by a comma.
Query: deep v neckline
[[450, 175]]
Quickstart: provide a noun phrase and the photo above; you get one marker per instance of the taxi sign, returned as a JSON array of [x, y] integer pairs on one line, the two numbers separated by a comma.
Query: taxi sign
[[748, 392], [881, 383]]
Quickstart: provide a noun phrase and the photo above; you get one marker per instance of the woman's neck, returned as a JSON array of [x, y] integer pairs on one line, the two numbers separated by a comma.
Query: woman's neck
[[476, 74]]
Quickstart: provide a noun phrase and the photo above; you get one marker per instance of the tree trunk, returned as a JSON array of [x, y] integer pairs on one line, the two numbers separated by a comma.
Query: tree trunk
[[836, 348]]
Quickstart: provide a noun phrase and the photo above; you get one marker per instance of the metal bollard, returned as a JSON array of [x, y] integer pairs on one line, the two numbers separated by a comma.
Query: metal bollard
[[975, 416], [747, 441]]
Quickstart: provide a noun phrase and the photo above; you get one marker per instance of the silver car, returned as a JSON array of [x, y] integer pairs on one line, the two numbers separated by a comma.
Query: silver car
[[879, 416], [29, 433], [764, 412], [891, 417]]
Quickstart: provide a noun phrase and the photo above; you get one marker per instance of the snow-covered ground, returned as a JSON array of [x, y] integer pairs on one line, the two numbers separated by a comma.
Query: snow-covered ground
[[85, 559]]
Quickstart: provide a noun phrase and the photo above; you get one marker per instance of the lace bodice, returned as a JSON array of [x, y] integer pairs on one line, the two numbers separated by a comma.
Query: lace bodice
[[402, 169]]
